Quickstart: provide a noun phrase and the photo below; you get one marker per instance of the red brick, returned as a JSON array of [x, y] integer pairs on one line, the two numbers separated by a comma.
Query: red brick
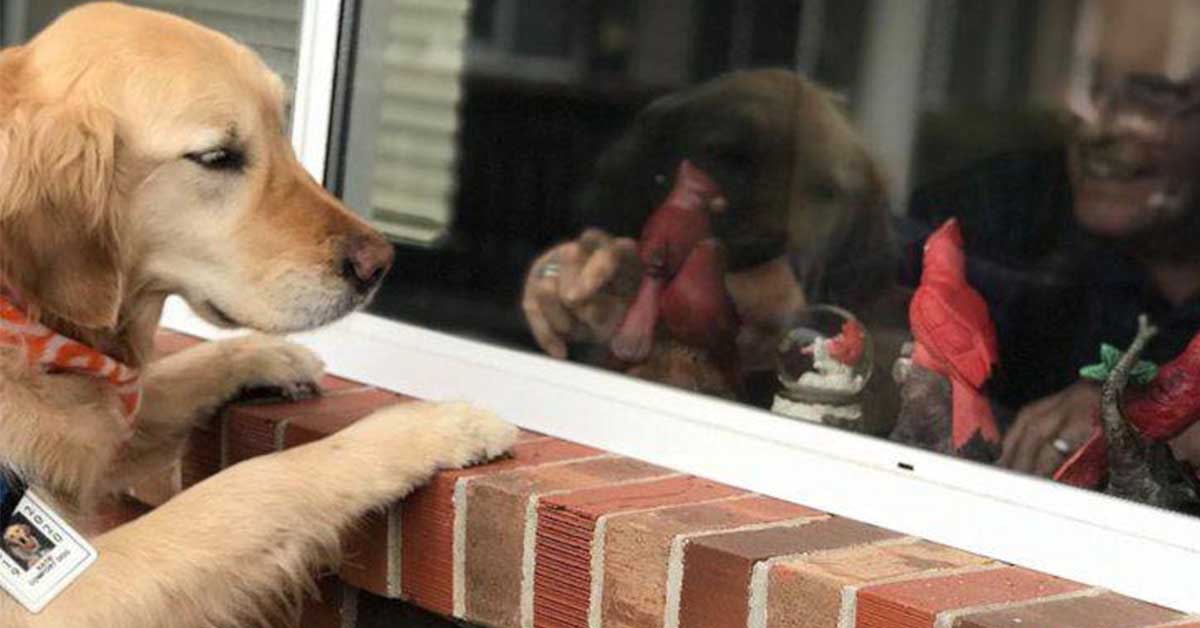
[[1107, 610], [717, 569], [428, 522], [916, 603], [526, 435], [567, 525], [637, 548], [202, 457], [247, 430], [333, 383], [807, 592], [496, 527], [368, 554], [252, 430]]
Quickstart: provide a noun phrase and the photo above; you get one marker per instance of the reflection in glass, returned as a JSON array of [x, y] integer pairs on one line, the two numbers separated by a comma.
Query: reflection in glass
[[836, 136]]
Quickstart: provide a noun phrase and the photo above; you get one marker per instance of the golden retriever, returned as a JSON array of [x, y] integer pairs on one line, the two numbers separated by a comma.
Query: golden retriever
[[142, 155]]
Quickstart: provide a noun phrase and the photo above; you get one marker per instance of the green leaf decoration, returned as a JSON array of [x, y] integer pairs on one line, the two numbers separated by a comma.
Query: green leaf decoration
[[1143, 373], [1109, 355], [1094, 372]]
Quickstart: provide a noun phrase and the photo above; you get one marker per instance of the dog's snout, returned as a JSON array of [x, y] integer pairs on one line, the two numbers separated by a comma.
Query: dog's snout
[[367, 259]]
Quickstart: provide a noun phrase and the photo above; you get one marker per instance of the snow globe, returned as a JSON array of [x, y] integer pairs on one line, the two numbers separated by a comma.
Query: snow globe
[[823, 365]]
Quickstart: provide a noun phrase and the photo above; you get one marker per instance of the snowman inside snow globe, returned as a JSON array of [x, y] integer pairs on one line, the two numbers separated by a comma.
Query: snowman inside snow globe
[[823, 365]]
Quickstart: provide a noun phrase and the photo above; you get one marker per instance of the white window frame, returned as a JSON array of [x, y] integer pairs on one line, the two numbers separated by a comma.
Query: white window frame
[[312, 105], [1129, 548]]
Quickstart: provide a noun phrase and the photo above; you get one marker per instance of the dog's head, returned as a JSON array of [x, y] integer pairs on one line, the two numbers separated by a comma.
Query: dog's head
[[794, 172], [20, 538], [143, 154]]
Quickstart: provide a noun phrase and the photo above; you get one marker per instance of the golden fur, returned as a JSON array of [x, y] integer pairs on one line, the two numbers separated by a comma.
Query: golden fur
[[104, 211]]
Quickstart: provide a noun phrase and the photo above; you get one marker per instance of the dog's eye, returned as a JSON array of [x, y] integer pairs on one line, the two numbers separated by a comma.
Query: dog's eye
[[219, 159]]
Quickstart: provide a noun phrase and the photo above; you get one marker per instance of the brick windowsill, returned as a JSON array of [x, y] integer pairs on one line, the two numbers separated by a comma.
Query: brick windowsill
[[566, 535]]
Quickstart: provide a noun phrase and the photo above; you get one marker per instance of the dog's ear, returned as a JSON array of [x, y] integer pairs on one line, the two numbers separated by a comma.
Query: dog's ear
[[58, 234]]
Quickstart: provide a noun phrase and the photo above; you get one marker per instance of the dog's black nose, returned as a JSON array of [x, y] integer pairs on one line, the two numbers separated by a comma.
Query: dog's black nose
[[367, 259]]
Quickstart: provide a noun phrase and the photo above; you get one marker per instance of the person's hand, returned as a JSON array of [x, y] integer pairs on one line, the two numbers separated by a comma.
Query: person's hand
[[578, 291], [1050, 429]]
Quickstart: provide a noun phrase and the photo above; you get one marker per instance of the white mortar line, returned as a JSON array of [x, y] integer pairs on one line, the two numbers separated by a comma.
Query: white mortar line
[[757, 615], [459, 545], [395, 542], [458, 549], [529, 539], [946, 619], [675, 559], [596, 595], [349, 606], [277, 437]]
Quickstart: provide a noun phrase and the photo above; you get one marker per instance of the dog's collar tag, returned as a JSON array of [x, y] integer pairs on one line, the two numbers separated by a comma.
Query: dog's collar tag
[[40, 555]]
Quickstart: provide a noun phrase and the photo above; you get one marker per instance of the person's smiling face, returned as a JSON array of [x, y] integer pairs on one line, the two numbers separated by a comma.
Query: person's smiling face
[[1125, 161]]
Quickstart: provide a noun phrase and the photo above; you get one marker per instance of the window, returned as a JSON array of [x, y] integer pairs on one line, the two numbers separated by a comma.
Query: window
[[401, 152], [950, 109], [482, 134]]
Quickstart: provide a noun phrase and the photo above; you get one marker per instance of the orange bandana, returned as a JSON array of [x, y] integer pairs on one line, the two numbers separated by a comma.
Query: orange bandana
[[55, 353]]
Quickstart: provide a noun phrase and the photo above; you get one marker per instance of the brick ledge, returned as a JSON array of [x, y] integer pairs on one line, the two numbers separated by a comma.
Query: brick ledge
[[566, 535]]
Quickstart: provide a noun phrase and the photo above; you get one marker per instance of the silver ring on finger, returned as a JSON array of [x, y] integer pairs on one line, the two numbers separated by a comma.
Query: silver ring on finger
[[549, 269], [1063, 446]]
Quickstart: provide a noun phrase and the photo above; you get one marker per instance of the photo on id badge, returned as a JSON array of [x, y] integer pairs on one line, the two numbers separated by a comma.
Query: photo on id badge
[[24, 543]]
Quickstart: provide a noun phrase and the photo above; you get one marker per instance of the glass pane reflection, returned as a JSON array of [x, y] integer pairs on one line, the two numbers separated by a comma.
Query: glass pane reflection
[[677, 190]]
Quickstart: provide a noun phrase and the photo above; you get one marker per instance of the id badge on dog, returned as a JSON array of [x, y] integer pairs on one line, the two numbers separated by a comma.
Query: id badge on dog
[[40, 555]]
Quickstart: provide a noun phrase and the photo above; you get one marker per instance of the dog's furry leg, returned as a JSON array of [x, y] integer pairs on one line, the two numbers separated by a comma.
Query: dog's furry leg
[[183, 389], [245, 542]]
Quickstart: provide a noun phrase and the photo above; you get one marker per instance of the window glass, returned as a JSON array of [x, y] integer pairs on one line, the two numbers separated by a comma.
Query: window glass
[[920, 221]]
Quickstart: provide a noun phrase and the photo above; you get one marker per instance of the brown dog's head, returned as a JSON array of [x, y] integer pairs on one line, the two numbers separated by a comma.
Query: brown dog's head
[[795, 174], [142, 154], [20, 538]]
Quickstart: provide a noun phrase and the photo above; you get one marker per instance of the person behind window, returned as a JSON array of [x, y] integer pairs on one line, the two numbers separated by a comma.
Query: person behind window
[[1069, 245]]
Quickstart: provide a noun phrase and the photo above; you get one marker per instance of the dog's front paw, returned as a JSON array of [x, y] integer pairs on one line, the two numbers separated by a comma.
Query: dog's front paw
[[475, 435], [272, 367], [446, 435]]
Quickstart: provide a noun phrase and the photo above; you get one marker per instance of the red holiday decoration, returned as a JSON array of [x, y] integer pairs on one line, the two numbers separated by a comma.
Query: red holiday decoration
[[954, 336]]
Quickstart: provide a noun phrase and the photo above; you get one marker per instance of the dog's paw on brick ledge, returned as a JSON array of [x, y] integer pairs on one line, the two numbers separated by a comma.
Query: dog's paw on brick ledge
[[562, 535]]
